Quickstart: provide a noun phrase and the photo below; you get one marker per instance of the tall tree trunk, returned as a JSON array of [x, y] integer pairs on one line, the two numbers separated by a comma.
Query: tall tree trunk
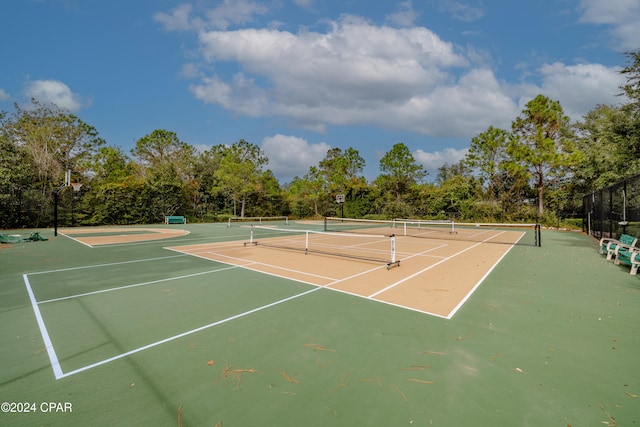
[[540, 196]]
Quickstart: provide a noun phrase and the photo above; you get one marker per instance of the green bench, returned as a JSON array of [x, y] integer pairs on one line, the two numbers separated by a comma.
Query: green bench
[[608, 245], [175, 219], [628, 255]]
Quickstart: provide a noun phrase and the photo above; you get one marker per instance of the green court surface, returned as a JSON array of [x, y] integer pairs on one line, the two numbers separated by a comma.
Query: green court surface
[[135, 334]]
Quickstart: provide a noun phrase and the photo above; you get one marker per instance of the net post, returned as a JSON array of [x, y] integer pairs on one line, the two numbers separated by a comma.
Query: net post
[[251, 241], [325, 224], [229, 223], [306, 242], [393, 261]]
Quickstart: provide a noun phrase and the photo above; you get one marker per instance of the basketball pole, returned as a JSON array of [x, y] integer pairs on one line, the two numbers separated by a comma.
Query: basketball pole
[[56, 196]]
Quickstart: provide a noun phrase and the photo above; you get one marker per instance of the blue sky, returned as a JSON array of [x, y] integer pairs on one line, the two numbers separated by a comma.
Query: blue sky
[[298, 77]]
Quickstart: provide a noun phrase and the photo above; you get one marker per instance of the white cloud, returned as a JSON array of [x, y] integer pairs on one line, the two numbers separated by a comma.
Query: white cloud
[[228, 13], [233, 12], [462, 11], [3, 95], [622, 16], [358, 73], [54, 92], [579, 88], [432, 161], [405, 15], [178, 20], [290, 156]]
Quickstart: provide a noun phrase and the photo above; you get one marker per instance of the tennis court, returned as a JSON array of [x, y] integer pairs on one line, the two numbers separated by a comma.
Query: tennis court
[[203, 327], [433, 274]]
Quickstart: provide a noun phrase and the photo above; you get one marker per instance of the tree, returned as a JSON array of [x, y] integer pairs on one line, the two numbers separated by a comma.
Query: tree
[[400, 170], [54, 142], [632, 88], [16, 176], [604, 149], [117, 188], [339, 167], [306, 193], [486, 154], [268, 199], [631, 129], [204, 168], [339, 171], [167, 168], [240, 172], [541, 145], [162, 147]]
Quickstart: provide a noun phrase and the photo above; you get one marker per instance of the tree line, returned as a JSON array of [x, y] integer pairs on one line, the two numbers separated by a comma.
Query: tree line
[[537, 170]]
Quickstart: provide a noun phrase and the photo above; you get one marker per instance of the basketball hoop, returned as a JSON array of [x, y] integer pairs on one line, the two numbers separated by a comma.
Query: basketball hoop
[[76, 186]]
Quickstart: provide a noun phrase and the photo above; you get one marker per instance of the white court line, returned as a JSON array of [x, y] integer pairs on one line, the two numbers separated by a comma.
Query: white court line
[[58, 373], [393, 285], [272, 266], [75, 240], [119, 288], [183, 240], [53, 358], [250, 262], [466, 297], [184, 334], [110, 264], [329, 285], [55, 363]]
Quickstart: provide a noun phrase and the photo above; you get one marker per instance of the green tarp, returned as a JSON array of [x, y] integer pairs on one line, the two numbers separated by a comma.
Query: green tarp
[[33, 237]]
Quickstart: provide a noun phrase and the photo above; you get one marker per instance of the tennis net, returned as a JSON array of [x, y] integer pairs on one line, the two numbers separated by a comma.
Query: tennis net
[[378, 248], [248, 220], [512, 234]]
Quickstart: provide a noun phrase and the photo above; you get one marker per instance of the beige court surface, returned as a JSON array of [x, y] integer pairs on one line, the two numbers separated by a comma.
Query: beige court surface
[[433, 276]]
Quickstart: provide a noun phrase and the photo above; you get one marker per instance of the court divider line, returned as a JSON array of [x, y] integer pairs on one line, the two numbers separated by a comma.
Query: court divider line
[[182, 335], [271, 266], [109, 264], [327, 286], [249, 263], [76, 240], [256, 270], [119, 288], [183, 239], [466, 297], [51, 352], [399, 282]]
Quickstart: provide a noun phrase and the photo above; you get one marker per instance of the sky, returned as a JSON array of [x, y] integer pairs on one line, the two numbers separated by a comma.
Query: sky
[[299, 77]]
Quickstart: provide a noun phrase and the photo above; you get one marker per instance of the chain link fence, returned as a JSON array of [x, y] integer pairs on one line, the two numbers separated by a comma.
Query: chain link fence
[[614, 210]]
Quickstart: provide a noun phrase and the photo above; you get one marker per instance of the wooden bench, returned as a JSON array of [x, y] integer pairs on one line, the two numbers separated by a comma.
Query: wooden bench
[[175, 219], [609, 245]]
